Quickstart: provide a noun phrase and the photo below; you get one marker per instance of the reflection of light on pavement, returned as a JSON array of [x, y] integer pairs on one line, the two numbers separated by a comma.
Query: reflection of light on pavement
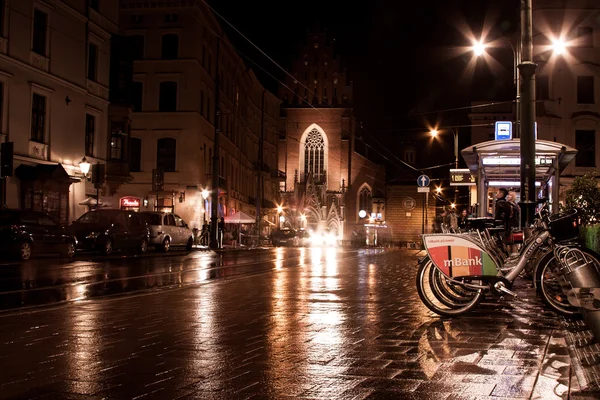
[[279, 258], [203, 271], [82, 349], [301, 259], [331, 261], [315, 256], [79, 292]]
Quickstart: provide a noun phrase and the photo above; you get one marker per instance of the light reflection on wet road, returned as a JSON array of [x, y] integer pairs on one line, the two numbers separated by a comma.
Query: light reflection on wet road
[[45, 281], [300, 323]]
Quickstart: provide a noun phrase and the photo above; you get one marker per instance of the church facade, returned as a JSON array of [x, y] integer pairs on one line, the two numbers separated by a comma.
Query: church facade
[[327, 182]]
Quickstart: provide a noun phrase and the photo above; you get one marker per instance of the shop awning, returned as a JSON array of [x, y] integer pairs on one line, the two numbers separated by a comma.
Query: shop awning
[[43, 172], [501, 159]]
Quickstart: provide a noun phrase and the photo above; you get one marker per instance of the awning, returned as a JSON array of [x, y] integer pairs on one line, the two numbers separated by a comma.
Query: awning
[[501, 159], [90, 201], [239, 218], [43, 172]]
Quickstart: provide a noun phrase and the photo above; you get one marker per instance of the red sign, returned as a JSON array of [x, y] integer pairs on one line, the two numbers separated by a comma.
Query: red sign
[[130, 202]]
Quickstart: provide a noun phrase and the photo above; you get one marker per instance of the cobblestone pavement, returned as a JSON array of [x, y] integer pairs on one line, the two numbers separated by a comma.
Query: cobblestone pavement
[[334, 325]]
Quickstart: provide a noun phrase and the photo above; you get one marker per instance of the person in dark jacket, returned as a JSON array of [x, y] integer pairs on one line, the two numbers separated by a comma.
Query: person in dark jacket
[[462, 220], [503, 211]]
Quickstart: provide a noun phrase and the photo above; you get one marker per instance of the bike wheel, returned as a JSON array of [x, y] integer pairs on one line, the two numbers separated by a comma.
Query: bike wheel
[[548, 285], [447, 292], [429, 288]]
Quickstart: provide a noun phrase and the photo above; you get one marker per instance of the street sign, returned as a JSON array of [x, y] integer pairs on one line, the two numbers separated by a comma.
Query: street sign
[[503, 130], [461, 177], [423, 189], [423, 181]]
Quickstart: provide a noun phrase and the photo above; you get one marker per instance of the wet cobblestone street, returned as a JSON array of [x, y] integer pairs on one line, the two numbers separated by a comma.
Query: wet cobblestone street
[[328, 325]]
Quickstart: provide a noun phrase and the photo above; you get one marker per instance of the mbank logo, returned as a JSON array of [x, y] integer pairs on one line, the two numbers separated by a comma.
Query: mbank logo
[[463, 262]]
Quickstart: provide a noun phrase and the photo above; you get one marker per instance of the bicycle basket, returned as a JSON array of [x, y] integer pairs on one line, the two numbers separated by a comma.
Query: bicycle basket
[[564, 226]]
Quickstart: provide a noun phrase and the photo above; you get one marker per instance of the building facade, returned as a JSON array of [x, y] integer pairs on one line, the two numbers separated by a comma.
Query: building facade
[[54, 87], [326, 181], [177, 112], [567, 85]]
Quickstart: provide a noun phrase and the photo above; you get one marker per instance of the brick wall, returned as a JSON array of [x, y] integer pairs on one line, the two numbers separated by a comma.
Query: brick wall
[[406, 223]]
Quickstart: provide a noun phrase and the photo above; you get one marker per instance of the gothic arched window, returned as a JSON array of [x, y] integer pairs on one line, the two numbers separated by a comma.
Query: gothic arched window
[[365, 200], [314, 155]]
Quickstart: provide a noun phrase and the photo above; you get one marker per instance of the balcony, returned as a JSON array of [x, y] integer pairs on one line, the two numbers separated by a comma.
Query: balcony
[[117, 174], [278, 175]]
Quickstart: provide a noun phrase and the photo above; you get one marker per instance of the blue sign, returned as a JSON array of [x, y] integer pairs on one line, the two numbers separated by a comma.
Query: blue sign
[[503, 130], [423, 181]]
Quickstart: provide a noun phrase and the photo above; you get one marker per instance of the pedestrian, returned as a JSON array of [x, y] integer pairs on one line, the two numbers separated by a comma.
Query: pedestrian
[[502, 214], [453, 221], [462, 220], [515, 210], [221, 227]]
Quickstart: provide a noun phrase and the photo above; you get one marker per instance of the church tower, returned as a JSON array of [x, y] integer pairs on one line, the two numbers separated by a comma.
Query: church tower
[[316, 143]]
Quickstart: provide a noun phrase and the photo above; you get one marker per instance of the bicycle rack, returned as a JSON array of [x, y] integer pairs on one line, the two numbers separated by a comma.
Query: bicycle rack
[[582, 287]]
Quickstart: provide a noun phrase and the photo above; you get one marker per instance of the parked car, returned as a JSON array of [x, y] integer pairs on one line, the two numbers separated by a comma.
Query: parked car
[[167, 229], [109, 230], [24, 232], [284, 237]]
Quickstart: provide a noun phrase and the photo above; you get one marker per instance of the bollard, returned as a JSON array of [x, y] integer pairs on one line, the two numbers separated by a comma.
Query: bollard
[[583, 285]]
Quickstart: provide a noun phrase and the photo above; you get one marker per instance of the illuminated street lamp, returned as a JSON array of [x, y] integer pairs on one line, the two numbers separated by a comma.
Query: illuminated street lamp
[[84, 166]]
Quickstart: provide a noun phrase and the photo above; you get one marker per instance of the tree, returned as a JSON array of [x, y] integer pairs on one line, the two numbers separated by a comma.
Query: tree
[[584, 195]]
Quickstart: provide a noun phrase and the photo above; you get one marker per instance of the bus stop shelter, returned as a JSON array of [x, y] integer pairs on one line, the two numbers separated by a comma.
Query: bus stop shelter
[[497, 163]]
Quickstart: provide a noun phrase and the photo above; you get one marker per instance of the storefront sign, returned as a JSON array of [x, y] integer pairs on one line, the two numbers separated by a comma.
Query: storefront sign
[[461, 177], [130, 202], [456, 256]]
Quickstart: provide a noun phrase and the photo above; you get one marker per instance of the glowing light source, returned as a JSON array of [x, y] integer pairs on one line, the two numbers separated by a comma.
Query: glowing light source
[[478, 48], [434, 132], [205, 194], [438, 189], [279, 209], [509, 183], [84, 166], [362, 213], [559, 46]]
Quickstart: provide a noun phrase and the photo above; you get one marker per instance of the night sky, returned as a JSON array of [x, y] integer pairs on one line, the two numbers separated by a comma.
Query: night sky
[[403, 56]]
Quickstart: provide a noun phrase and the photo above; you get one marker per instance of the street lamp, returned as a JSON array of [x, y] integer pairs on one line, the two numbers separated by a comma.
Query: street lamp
[[205, 194], [434, 133], [84, 166], [281, 217], [559, 46]]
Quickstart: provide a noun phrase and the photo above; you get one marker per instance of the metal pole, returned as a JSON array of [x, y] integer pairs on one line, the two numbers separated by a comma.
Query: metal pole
[[423, 216], [214, 217], [455, 132], [517, 79], [259, 189], [527, 69]]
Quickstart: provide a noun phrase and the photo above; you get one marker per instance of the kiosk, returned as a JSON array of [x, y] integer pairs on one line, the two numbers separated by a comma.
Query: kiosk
[[497, 163]]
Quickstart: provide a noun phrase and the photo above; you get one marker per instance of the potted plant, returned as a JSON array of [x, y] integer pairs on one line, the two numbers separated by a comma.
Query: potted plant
[[584, 195]]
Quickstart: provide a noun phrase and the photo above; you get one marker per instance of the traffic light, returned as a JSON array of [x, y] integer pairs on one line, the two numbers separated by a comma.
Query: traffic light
[[6, 159]]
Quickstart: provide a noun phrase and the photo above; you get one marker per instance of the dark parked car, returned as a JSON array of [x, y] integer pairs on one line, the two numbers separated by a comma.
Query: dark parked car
[[110, 230], [24, 232], [284, 237]]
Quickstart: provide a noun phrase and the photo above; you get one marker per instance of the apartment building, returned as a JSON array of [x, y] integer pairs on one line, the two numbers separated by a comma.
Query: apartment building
[[54, 99], [180, 51]]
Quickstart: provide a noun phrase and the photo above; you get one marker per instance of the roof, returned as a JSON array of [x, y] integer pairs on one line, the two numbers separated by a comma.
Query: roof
[[501, 159]]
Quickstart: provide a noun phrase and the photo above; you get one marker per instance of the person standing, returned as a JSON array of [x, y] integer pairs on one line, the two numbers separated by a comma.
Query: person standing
[[515, 210], [503, 212], [462, 220]]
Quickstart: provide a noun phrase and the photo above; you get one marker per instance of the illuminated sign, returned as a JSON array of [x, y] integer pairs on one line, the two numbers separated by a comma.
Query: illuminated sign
[[461, 177], [503, 130], [130, 202], [514, 161]]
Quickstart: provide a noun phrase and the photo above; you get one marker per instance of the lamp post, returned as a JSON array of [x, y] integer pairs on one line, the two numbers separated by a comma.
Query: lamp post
[[435, 133], [205, 195], [280, 217]]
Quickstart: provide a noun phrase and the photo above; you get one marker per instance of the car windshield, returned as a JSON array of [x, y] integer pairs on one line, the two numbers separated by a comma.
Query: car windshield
[[151, 219]]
